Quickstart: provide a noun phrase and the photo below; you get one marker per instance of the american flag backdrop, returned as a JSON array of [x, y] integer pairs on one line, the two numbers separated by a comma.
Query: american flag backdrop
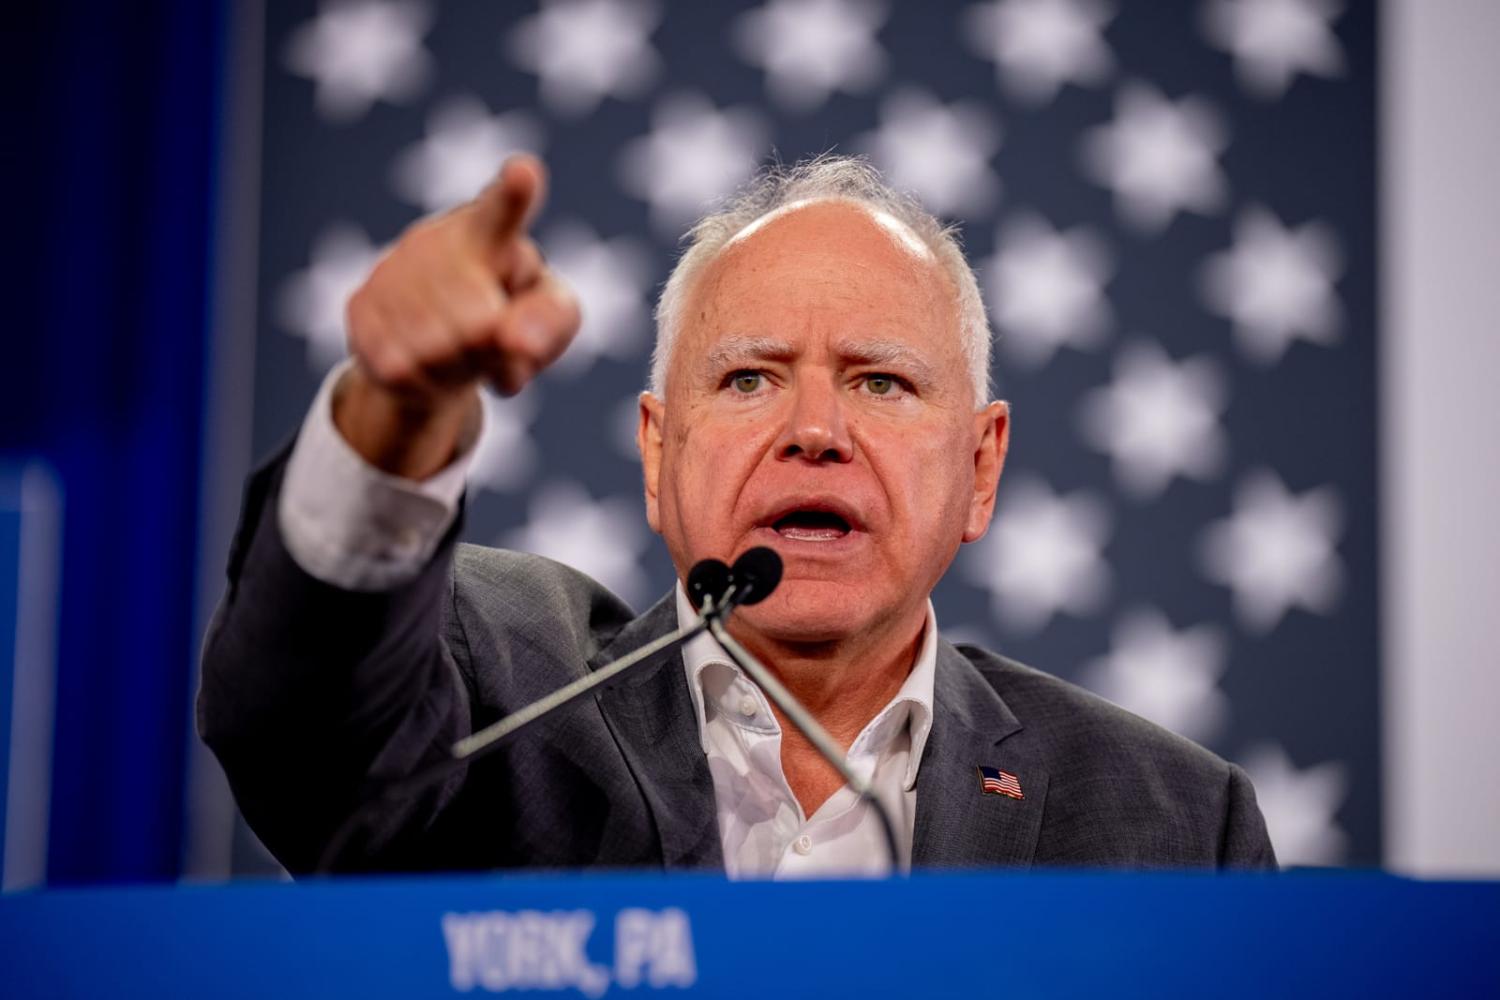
[[1171, 208]]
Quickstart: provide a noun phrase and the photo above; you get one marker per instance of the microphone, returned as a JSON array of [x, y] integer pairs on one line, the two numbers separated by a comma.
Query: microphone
[[712, 584], [709, 577], [755, 574], [752, 579], [709, 580]]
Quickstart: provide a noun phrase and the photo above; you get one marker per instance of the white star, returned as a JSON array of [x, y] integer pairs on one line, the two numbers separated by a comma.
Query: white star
[[1276, 284], [810, 48], [693, 156], [1277, 551], [463, 149], [1274, 40], [1037, 46], [611, 280], [583, 51], [1041, 555], [1158, 157], [938, 152], [359, 53], [311, 302], [1046, 289], [1299, 806], [505, 456], [1164, 675], [603, 538], [1157, 419]]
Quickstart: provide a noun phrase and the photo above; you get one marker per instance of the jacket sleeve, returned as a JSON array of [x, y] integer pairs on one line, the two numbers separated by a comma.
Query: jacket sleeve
[[1245, 842], [312, 696]]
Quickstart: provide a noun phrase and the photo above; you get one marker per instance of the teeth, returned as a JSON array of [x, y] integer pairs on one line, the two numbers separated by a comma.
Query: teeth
[[811, 534]]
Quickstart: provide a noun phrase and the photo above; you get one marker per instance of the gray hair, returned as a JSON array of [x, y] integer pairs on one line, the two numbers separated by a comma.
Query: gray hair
[[825, 178]]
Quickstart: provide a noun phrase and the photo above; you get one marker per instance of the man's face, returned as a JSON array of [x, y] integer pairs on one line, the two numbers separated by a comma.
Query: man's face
[[818, 402]]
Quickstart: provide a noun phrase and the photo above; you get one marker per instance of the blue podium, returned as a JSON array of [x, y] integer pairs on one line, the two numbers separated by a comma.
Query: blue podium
[[930, 935]]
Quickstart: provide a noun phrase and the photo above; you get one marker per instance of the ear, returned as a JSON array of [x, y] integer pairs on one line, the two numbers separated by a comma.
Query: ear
[[648, 435], [992, 431]]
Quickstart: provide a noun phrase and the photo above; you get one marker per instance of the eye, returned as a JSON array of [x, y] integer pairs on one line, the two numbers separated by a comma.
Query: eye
[[884, 384], [746, 382]]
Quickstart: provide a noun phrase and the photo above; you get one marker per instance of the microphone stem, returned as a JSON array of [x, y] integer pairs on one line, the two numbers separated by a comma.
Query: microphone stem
[[477, 743], [810, 727]]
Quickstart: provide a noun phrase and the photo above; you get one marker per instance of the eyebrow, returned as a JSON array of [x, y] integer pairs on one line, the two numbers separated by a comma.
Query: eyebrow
[[887, 353], [733, 352]]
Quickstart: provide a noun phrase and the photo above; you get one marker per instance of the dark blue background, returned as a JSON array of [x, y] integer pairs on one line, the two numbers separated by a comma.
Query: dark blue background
[[113, 179]]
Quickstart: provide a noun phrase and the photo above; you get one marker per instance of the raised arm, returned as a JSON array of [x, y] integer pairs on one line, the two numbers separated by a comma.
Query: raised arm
[[326, 672]]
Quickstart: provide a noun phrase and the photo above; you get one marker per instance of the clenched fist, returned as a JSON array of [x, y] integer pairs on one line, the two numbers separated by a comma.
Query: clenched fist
[[462, 298]]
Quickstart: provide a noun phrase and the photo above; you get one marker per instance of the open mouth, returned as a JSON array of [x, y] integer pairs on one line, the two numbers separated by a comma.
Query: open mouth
[[811, 526]]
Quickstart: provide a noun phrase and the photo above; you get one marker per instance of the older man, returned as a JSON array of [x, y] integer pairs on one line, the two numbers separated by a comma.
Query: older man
[[820, 386]]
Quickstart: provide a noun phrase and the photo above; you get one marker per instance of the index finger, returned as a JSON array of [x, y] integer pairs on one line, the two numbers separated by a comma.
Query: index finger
[[510, 201]]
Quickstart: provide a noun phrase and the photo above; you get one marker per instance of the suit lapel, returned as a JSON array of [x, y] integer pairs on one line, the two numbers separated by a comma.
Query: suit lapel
[[957, 824], [651, 716]]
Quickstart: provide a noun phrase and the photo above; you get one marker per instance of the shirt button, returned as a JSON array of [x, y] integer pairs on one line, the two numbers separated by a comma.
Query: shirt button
[[803, 844], [748, 707]]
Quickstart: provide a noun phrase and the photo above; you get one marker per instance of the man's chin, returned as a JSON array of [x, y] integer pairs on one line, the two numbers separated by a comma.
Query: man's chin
[[808, 612]]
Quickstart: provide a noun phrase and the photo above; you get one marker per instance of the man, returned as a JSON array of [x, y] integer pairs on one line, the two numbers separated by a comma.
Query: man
[[820, 386]]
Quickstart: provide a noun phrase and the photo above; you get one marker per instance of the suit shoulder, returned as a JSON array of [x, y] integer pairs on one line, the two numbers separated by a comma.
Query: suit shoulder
[[1079, 729], [524, 594], [1123, 791]]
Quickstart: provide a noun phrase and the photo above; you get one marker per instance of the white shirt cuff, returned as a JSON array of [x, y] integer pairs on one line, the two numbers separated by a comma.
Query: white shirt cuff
[[352, 525]]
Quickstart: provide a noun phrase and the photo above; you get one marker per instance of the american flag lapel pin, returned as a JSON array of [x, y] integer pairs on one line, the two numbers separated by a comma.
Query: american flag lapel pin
[[993, 781]]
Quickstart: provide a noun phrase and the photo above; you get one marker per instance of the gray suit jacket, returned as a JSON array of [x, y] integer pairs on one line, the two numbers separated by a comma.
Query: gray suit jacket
[[312, 697]]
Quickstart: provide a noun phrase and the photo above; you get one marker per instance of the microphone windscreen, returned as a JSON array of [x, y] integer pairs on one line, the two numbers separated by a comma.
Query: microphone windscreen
[[708, 578], [755, 574]]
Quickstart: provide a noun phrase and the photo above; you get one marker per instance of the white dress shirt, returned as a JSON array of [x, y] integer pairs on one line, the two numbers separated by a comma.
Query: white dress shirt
[[351, 525], [348, 523], [762, 826]]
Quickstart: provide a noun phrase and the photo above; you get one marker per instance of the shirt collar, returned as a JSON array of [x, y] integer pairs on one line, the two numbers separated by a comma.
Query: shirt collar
[[708, 670]]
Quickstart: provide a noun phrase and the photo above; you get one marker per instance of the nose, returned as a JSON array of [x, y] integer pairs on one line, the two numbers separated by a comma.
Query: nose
[[815, 426]]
